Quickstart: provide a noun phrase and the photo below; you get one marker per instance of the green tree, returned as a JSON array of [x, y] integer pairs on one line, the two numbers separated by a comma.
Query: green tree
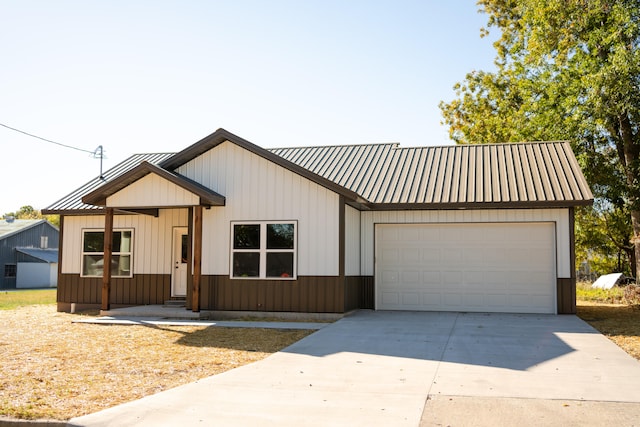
[[566, 70], [28, 212]]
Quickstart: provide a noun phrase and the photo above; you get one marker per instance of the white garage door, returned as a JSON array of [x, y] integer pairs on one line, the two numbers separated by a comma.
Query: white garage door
[[488, 267]]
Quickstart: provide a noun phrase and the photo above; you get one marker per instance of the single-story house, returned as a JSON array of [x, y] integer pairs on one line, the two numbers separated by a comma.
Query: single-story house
[[230, 226], [28, 253]]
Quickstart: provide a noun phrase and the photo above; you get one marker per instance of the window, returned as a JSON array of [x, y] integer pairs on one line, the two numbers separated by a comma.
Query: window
[[264, 250], [9, 270], [93, 253]]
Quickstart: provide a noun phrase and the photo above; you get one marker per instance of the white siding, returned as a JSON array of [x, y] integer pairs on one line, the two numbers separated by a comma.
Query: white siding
[[352, 241], [559, 216], [37, 275], [259, 190], [151, 239], [152, 191]]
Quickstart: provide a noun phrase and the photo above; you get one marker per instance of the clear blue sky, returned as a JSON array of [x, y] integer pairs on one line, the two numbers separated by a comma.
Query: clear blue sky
[[156, 76]]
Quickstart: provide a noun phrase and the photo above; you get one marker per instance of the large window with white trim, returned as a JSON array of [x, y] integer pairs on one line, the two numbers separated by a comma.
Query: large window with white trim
[[93, 253], [263, 250]]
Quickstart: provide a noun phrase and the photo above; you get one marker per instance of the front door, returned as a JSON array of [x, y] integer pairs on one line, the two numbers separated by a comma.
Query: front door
[[179, 260]]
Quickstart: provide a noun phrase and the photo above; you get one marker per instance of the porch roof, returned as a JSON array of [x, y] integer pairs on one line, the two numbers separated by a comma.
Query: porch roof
[[192, 193]]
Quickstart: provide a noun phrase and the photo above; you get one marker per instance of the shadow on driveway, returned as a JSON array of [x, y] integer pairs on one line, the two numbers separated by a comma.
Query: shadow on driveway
[[510, 341]]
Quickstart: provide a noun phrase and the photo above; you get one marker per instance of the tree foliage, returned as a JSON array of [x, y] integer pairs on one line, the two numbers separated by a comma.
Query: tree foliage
[[566, 70], [28, 212]]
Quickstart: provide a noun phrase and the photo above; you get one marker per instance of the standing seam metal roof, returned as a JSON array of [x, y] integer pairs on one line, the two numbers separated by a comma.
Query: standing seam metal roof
[[387, 176], [541, 173], [73, 201]]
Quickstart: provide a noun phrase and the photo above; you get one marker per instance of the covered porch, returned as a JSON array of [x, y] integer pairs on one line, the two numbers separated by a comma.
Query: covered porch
[[145, 190]]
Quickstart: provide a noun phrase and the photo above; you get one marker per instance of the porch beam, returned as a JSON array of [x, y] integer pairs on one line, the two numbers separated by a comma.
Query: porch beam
[[197, 258], [106, 266]]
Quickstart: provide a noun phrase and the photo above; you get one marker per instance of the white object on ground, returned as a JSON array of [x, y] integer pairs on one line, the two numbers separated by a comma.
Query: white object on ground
[[607, 281]]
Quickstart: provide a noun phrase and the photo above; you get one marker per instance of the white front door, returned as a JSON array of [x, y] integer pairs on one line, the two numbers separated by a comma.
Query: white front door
[[179, 260]]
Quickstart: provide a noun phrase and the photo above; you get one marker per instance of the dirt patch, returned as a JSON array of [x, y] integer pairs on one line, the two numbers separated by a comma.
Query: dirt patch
[[619, 322], [56, 369]]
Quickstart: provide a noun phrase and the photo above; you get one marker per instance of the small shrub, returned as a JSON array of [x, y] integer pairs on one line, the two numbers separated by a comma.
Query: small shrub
[[632, 294]]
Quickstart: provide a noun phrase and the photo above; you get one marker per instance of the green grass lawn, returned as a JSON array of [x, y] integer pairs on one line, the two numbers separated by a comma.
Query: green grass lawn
[[19, 298]]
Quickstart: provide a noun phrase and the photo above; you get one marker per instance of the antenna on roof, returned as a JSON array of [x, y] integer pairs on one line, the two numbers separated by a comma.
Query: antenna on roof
[[98, 153]]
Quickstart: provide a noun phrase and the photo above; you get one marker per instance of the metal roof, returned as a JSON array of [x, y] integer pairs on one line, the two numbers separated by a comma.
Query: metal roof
[[387, 176], [73, 202], [14, 226], [46, 255], [509, 175]]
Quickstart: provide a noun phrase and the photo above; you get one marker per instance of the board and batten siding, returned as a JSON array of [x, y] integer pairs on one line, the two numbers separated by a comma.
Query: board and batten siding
[[152, 239], [559, 216], [259, 190], [152, 191], [352, 241]]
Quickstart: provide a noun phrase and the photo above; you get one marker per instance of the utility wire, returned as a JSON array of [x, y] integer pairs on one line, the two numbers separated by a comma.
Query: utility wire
[[53, 142]]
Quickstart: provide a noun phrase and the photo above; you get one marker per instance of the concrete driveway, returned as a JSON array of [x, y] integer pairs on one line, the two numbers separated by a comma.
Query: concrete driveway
[[413, 369]]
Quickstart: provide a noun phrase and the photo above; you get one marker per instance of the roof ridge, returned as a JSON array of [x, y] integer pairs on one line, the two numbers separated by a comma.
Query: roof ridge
[[334, 146], [490, 144]]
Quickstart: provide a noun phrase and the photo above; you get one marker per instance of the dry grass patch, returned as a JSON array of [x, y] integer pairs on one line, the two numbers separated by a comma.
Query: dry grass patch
[[619, 322], [53, 368]]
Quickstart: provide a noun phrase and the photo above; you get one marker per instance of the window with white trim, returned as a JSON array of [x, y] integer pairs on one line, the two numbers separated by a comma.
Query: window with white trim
[[93, 253], [264, 250]]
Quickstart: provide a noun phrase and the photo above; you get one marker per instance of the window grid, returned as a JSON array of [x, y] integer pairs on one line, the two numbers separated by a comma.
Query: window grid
[[10, 270], [264, 252], [122, 258]]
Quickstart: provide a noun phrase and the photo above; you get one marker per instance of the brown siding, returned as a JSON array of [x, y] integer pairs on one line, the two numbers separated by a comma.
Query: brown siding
[[142, 289], [310, 294], [366, 294], [566, 296], [359, 293], [567, 287]]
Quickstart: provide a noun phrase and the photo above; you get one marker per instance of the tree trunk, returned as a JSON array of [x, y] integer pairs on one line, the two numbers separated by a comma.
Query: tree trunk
[[630, 160], [635, 223]]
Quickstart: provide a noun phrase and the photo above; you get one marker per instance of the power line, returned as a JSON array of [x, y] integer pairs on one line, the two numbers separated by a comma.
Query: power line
[[94, 153]]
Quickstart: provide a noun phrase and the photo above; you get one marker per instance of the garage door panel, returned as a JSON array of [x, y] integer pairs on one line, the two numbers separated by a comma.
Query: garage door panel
[[431, 277], [411, 278], [452, 278], [474, 300], [391, 299], [452, 300], [411, 299], [496, 267], [432, 300]]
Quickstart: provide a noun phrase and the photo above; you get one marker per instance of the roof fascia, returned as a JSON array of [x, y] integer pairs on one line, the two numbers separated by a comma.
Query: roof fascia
[[480, 205]]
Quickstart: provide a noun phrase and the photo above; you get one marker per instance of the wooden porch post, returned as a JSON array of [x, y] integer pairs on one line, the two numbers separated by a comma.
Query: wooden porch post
[[197, 258], [106, 267]]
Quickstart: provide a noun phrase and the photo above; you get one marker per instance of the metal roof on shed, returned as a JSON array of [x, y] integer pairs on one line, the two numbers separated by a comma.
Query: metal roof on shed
[[510, 175], [14, 226], [46, 255]]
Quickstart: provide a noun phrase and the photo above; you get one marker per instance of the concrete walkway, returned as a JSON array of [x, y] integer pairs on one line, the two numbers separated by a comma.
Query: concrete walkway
[[413, 369]]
